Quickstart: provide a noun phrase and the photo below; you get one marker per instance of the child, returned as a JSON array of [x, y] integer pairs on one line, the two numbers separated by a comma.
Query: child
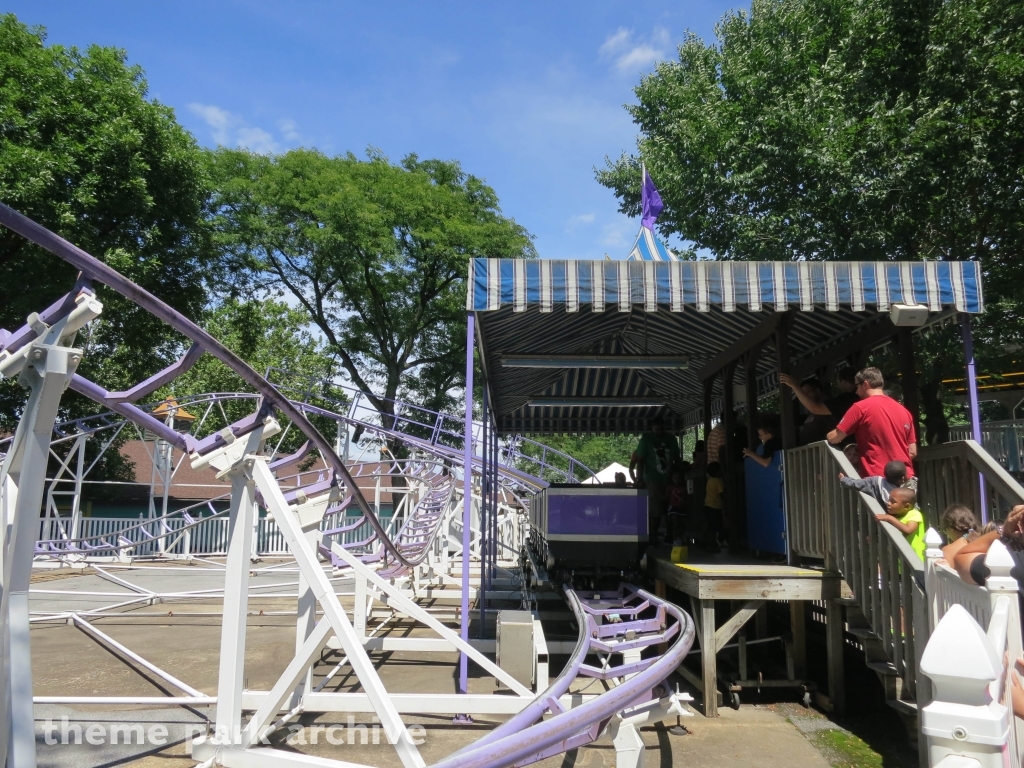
[[676, 508], [906, 517], [713, 507], [879, 486], [769, 444], [960, 526]]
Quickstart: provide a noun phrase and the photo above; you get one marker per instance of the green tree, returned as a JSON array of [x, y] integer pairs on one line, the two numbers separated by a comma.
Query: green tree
[[847, 129], [84, 152], [592, 451], [375, 253]]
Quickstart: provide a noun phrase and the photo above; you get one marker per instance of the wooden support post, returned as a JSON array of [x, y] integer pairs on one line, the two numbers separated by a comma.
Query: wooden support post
[[708, 661], [731, 506], [750, 379], [785, 396], [834, 643], [797, 622], [708, 384], [908, 376]]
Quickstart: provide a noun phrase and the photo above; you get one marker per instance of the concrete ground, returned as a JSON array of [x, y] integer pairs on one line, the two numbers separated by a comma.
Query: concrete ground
[[183, 638]]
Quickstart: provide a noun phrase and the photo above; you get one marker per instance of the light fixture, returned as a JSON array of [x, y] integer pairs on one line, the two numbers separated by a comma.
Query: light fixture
[[595, 402], [595, 361]]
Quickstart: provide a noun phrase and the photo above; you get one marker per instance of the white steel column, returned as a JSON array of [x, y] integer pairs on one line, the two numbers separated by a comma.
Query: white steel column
[[306, 559], [46, 371], [236, 590]]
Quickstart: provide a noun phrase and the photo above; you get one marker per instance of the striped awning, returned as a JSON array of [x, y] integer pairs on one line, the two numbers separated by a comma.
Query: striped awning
[[727, 285], [649, 248]]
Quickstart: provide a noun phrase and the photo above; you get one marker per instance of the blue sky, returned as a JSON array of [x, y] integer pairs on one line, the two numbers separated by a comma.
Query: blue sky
[[526, 95]]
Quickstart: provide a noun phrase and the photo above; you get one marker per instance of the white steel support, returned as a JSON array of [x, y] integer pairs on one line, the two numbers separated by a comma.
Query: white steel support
[[310, 515], [236, 584], [45, 369], [401, 603], [306, 559], [361, 606]]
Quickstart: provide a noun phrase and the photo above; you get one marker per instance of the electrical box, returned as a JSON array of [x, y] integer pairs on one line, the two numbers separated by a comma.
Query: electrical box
[[515, 648]]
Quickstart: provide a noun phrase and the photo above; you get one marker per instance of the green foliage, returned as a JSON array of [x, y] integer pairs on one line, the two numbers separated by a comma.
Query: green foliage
[[840, 129], [849, 129], [375, 253], [86, 154], [593, 451]]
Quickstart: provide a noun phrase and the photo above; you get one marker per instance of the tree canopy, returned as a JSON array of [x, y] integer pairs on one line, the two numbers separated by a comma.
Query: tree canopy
[[842, 129], [84, 152], [375, 253], [848, 130]]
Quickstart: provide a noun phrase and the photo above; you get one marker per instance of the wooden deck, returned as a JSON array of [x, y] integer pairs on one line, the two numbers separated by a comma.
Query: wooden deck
[[727, 577], [706, 578]]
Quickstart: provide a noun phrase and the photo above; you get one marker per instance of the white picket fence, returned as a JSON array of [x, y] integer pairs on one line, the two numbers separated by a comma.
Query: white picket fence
[[208, 538], [974, 644]]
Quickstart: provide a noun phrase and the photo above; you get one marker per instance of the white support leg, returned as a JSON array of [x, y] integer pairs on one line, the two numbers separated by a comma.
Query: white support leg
[[293, 672], [236, 589], [314, 573], [361, 605], [23, 479], [629, 747]]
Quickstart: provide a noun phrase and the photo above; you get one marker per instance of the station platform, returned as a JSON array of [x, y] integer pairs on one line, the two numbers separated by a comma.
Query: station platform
[[749, 581]]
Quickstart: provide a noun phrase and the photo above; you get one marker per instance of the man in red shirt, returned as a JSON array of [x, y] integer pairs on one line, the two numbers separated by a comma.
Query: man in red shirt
[[884, 429]]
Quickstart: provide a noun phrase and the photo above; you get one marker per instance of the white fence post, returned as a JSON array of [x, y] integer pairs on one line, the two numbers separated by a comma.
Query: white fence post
[[962, 720], [932, 554]]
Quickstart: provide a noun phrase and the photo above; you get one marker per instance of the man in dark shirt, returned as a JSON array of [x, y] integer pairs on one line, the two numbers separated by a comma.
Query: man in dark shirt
[[824, 412], [651, 467]]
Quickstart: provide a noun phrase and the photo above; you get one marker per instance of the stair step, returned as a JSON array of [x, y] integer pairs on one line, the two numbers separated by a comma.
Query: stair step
[[903, 707], [847, 601], [883, 668]]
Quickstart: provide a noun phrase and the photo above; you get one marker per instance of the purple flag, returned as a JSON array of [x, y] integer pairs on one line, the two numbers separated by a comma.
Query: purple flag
[[650, 202]]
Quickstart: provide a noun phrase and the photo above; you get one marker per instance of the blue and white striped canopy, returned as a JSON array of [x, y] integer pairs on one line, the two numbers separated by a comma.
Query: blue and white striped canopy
[[727, 285], [649, 248]]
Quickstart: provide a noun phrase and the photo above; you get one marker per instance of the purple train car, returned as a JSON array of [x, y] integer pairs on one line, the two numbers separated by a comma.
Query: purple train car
[[588, 526]]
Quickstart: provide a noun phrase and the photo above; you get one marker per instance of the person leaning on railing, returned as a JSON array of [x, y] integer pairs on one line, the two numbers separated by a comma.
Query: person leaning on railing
[[970, 564], [960, 526], [905, 517]]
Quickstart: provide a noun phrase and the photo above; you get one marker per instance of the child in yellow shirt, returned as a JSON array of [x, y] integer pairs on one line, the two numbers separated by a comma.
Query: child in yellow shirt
[[713, 507], [906, 518]]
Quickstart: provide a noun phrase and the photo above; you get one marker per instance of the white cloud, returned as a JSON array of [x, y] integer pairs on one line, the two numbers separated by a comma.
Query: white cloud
[[290, 130], [616, 235], [616, 42], [631, 53], [583, 218], [256, 140], [219, 120], [230, 130]]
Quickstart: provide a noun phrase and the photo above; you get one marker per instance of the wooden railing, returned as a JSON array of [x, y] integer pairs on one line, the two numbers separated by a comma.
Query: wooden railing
[[958, 473], [826, 520], [935, 627]]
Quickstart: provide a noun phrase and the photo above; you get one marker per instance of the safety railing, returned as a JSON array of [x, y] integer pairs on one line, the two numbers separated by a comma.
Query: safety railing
[[964, 473], [1002, 440], [975, 641], [839, 525]]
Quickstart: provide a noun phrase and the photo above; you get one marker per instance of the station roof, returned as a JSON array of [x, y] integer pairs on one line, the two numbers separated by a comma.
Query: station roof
[[538, 320]]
